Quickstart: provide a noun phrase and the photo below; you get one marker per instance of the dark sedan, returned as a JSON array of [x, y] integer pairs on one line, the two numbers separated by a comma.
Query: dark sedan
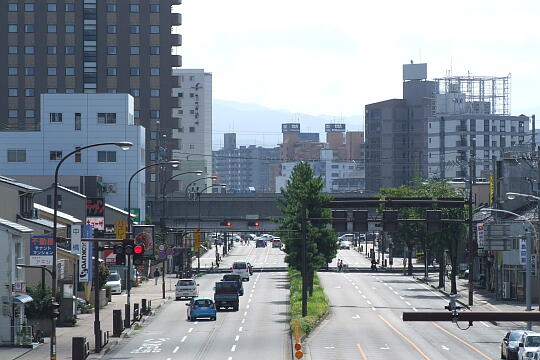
[[510, 344]]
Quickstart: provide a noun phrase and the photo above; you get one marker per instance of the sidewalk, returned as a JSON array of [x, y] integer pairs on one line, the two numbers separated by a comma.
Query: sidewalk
[[85, 323]]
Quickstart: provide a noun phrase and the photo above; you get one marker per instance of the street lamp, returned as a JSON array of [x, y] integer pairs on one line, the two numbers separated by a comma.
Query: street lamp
[[124, 145], [199, 200], [173, 163], [513, 195], [197, 172], [194, 181], [528, 262]]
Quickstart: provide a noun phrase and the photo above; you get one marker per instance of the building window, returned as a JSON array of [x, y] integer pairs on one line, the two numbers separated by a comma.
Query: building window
[[51, 7], [13, 92], [13, 7], [70, 71], [12, 113], [191, 147], [111, 91], [154, 92], [191, 95], [13, 71], [111, 29], [70, 91], [111, 71], [70, 50], [134, 29], [134, 50], [70, 28], [55, 155], [154, 8], [134, 71], [78, 157], [29, 71], [29, 113], [16, 155], [153, 177], [106, 118], [12, 28], [111, 50], [191, 129], [51, 71], [51, 50], [12, 50], [29, 92], [77, 121], [69, 7], [55, 117], [154, 71], [29, 28], [29, 7], [192, 111], [29, 50], [51, 91], [154, 50], [106, 156], [111, 7], [51, 28], [135, 92], [134, 8], [154, 114], [154, 29], [137, 114]]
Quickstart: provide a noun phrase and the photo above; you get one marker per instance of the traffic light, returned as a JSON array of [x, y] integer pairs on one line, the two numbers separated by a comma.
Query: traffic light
[[360, 221], [390, 220], [138, 254], [120, 254], [54, 309], [128, 247], [254, 223], [226, 223], [433, 219], [339, 220]]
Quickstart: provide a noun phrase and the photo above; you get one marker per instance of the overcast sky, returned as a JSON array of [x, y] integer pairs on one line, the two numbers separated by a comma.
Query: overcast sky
[[333, 57]]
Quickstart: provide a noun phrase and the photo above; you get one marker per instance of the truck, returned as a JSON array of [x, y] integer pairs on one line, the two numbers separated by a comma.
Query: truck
[[226, 295]]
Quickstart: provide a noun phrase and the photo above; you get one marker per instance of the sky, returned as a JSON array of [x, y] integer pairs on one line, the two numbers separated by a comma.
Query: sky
[[333, 57]]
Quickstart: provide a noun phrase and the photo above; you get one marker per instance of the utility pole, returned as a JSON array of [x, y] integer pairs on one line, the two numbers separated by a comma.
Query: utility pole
[[304, 262], [528, 276]]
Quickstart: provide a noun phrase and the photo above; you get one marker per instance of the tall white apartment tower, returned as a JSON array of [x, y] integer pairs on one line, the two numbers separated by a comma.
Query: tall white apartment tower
[[194, 129]]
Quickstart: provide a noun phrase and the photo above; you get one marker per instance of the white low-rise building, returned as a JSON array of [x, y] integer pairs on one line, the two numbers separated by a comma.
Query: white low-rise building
[[69, 121]]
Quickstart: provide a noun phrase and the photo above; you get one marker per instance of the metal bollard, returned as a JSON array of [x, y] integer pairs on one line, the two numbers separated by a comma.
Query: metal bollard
[[117, 323], [127, 319], [135, 312], [144, 310], [78, 348]]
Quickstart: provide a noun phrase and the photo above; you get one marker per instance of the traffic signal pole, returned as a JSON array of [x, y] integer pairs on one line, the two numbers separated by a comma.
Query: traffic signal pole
[[97, 288]]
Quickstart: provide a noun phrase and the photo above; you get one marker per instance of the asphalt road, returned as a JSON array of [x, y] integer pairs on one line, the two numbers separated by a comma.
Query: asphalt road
[[260, 327], [365, 321]]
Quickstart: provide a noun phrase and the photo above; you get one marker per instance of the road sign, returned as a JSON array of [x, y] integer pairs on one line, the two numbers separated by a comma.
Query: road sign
[[95, 207], [110, 256], [41, 250], [170, 253], [197, 238], [120, 229], [161, 247], [480, 235], [96, 222], [162, 255]]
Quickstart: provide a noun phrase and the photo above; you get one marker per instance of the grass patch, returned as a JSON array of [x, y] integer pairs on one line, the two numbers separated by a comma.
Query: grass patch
[[137, 326], [317, 304]]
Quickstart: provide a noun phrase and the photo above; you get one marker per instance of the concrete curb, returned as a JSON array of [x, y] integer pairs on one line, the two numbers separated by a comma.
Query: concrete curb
[[304, 337], [113, 342]]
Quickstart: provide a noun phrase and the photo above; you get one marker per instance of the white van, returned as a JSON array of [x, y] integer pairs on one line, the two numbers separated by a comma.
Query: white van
[[186, 289], [241, 268]]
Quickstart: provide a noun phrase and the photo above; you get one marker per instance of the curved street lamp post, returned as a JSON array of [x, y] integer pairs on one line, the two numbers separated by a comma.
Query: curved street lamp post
[[197, 172], [199, 206], [528, 268], [125, 145]]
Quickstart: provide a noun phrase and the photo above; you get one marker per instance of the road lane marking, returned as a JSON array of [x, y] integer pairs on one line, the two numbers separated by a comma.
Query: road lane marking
[[233, 348], [229, 358], [176, 349], [237, 337], [190, 330], [247, 306], [373, 308], [390, 288], [243, 321], [462, 341], [404, 338], [415, 309], [483, 323], [362, 353], [184, 338], [364, 296], [240, 329], [395, 292], [245, 313], [408, 303], [445, 348]]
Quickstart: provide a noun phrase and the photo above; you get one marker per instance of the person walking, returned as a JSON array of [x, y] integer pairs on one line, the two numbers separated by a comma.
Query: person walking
[[339, 265], [156, 275]]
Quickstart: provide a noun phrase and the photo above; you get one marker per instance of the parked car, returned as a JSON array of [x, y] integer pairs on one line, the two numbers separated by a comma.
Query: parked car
[[226, 295], [114, 281], [510, 344], [345, 244], [237, 279], [186, 288], [241, 268], [201, 307], [260, 243], [528, 344]]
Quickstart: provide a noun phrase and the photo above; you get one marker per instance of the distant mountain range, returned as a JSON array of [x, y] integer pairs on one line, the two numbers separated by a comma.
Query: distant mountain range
[[257, 125]]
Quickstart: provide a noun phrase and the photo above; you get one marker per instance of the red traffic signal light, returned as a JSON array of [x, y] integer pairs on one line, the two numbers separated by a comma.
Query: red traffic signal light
[[226, 223], [138, 249], [254, 223]]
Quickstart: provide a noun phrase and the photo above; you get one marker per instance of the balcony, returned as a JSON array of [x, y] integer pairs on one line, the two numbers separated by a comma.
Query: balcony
[[176, 40], [461, 143], [176, 19], [461, 128], [176, 61]]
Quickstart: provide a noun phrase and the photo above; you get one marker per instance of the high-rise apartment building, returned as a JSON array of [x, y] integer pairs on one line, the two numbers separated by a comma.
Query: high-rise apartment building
[[396, 132], [335, 140], [298, 146], [354, 146], [91, 46]]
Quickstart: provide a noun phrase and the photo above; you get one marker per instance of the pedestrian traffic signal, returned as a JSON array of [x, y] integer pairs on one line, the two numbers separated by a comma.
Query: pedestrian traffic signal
[[254, 223], [360, 220], [433, 219], [390, 220], [54, 309], [226, 223], [339, 220], [138, 254]]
